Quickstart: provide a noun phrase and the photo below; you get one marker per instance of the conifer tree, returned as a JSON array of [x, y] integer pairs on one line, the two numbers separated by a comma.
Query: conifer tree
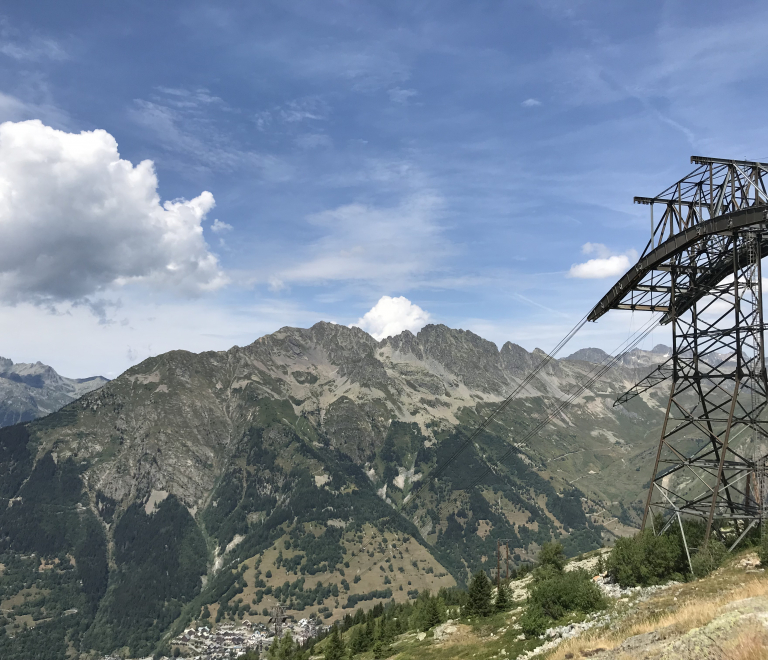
[[391, 630], [502, 598], [479, 598], [334, 649], [432, 615], [358, 641], [380, 646], [370, 632], [282, 649]]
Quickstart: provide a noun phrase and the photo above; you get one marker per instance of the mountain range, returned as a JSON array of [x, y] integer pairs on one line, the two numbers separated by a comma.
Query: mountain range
[[29, 391], [302, 469]]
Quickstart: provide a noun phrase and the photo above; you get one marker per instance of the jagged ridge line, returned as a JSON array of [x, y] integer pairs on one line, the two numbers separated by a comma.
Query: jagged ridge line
[[484, 424]]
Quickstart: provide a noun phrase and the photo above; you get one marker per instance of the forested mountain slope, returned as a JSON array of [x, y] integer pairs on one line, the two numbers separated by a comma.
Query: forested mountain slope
[[212, 485]]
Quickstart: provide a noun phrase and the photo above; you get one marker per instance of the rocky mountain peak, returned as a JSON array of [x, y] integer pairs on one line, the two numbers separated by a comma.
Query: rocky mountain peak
[[470, 357], [31, 390], [596, 355]]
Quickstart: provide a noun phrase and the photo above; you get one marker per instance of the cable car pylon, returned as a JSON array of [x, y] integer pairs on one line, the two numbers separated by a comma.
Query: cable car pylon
[[702, 270]]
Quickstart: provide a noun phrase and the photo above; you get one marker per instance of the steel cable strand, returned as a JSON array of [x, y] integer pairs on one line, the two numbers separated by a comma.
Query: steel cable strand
[[593, 377], [439, 470], [595, 374], [500, 408]]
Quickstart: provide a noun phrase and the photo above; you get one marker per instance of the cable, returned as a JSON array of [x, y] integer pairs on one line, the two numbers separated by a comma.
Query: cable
[[484, 424], [596, 373], [520, 387], [593, 376]]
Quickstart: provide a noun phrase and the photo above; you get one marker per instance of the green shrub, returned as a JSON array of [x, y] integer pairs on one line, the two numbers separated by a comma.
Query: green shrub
[[645, 559], [534, 621], [558, 593], [555, 592], [708, 558]]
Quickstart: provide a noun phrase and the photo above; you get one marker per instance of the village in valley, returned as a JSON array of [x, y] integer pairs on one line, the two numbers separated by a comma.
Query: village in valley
[[229, 640]]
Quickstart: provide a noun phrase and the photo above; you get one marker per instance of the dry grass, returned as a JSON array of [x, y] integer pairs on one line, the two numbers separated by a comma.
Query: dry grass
[[692, 613], [751, 644]]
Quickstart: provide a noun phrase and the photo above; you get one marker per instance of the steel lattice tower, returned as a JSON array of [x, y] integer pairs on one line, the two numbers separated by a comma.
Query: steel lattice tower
[[702, 271]]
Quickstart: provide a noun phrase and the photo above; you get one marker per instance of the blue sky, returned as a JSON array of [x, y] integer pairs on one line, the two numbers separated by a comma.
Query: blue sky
[[459, 155]]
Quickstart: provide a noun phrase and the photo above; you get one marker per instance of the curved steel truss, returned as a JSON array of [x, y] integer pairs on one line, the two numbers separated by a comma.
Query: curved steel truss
[[702, 270]]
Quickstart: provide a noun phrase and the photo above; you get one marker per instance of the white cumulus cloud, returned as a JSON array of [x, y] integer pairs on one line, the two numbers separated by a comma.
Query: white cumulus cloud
[[390, 316], [605, 264], [76, 219], [530, 103]]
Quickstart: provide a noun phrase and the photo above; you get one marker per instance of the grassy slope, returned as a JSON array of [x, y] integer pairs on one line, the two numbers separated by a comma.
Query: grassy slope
[[684, 617], [427, 574]]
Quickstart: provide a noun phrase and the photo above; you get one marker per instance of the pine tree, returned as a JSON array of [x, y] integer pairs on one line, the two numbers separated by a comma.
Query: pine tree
[[479, 597], [282, 649], [370, 632], [502, 598], [432, 616], [334, 649], [391, 630], [380, 646], [358, 641]]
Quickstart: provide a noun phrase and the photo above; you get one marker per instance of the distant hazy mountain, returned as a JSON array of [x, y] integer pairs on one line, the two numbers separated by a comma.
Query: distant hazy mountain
[[29, 391]]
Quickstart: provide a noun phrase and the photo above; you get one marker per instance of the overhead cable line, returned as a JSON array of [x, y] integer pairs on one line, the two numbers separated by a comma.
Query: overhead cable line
[[593, 376], [500, 408], [484, 424]]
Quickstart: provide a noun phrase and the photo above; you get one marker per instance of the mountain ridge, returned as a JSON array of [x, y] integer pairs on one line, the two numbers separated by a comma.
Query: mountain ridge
[[289, 456]]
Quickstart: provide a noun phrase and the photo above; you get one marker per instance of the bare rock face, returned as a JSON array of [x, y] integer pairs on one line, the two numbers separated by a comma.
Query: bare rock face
[[474, 360], [358, 430], [596, 355]]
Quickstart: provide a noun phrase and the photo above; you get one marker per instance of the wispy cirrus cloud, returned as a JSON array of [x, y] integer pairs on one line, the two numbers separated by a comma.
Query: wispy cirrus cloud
[[30, 47], [400, 95], [189, 125], [389, 246]]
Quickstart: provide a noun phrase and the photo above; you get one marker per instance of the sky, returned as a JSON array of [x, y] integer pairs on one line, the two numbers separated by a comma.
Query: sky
[[194, 175]]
